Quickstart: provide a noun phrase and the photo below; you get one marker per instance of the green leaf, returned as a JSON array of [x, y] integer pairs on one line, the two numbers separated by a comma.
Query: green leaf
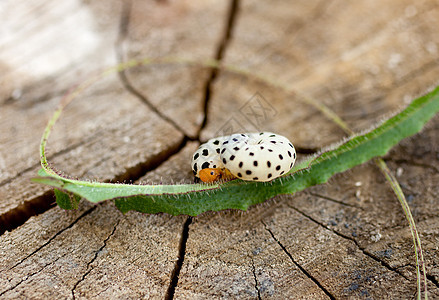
[[193, 199], [66, 201]]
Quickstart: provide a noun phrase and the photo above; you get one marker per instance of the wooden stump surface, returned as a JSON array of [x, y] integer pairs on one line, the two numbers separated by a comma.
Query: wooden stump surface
[[348, 238]]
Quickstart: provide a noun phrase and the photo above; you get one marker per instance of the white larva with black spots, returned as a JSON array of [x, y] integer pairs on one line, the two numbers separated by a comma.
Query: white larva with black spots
[[207, 156], [260, 156]]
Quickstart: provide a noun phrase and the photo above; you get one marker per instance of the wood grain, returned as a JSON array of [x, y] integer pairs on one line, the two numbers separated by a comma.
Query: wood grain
[[344, 239]]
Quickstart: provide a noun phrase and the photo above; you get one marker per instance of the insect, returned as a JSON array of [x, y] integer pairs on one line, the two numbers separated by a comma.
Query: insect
[[261, 156]]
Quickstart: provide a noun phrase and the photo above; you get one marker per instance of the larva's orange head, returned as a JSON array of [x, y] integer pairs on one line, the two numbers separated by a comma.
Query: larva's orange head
[[210, 174]]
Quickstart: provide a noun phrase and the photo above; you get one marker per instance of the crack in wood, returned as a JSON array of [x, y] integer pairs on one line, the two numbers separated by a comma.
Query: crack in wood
[[362, 249], [256, 279], [231, 17], [180, 260], [19, 215], [302, 269], [334, 200], [87, 212], [214, 72], [430, 277], [40, 204], [31, 275], [207, 96], [432, 280], [53, 156], [141, 169], [33, 207], [123, 32], [89, 267], [23, 212], [405, 266], [367, 253]]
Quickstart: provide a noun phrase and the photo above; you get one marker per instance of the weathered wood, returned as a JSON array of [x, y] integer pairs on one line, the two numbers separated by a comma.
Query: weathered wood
[[187, 30], [104, 139], [90, 255], [345, 239]]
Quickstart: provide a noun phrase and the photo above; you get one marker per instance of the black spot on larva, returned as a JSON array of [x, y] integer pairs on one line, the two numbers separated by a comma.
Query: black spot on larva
[[214, 166], [255, 163], [274, 142], [235, 139], [278, 168], [270, 150], [243, 135], [239, 175], [262, 147], [232, 157], [195, 167], [226, 142], [269, 175], [282, 172], [205, 152], [248, 172], [236, 148], [261, 133], [268, 163], [224, 150], [251, 154], [216, 142], [246, 149], [291, 165], [195, 173], [196, 155], [289, 153], [255, 178], [240, 164], [218, 150], [224, 161], [294, 155], [291, 145], [205, 165], [281, 157], [272, 135]]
